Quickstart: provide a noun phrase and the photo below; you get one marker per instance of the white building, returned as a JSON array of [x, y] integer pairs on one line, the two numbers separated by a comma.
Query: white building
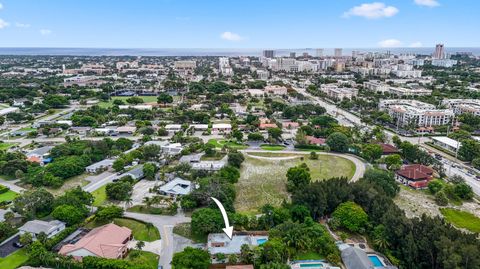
[[35, 227], [376, 86], [461, 106], [416, 113], [337, 93]]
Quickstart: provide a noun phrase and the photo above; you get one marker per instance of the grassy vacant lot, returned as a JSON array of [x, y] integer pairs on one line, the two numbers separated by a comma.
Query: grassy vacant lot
[[272, 147], [143, 257], [139, 229], [309, 256], [146, 99], [14, 260], [263, 181], [5, 146], [100, 196], [220, 143], [462, 219], [70, 184], [185, 230], [8, 196]]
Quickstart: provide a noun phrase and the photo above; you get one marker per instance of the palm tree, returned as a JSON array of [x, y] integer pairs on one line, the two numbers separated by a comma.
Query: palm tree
[[147, 201], [128, 202]]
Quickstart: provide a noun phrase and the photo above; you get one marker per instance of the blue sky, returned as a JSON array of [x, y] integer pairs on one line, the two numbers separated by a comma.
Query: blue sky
[[239, 23]]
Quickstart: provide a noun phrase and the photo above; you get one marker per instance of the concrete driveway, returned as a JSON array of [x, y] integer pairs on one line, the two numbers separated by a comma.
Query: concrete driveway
[[165, 226]]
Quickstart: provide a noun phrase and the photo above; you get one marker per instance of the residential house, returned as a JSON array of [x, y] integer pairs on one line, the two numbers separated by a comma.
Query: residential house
[[221, 243], [312, 140], [221, 128], [39, 155], [415, 175], [388, 149], [177, 187], [100, 166], [126, 129], [35, 227], [107, 241]]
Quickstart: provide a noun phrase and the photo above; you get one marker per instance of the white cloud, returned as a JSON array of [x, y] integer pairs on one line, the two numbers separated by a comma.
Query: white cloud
[[22, 25], [45, 31], [231, 36], [1, 6], [427, 3], [3, 24], [373, 10], [417, 44], [390, 43]]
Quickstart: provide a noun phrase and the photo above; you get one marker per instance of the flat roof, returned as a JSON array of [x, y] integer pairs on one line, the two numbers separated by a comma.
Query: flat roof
[[447, 141]]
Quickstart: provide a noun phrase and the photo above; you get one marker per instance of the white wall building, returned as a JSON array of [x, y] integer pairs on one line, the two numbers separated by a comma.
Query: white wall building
[[416, 113]]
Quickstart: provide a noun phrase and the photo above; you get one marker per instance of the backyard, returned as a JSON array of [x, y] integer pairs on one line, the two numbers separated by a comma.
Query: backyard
[[263, 179], [143, 257], [5, 146]]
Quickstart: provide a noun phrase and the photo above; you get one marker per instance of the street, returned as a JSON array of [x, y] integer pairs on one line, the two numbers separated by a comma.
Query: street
[[165, 226]]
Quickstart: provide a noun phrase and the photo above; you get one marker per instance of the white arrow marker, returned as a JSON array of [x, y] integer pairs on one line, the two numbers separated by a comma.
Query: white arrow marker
[[228, 229]]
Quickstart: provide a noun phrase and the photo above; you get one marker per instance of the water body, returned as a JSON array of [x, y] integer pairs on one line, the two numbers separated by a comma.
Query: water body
[[213, 52]]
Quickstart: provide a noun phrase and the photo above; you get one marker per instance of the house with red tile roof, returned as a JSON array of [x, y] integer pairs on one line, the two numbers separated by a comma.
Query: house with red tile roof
[[312, 140], [388, 149], [416, 176], [107, 241]]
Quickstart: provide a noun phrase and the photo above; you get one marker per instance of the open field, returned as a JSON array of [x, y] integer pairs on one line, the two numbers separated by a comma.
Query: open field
[[462, 219], [272, 147], [220, 143], [14, 260], [146, 99], [70, 184], [263, 179], [8, 196]]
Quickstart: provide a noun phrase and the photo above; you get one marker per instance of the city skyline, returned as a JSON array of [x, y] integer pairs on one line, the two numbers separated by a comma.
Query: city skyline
[[238, 24]]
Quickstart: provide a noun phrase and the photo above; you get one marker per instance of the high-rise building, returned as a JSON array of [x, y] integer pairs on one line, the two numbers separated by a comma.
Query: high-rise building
[[269, 53], [293, 54], [319, 52], [439, 52], [338, 53]]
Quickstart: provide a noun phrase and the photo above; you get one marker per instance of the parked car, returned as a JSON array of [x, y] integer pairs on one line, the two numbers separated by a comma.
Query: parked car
[[17, 245]]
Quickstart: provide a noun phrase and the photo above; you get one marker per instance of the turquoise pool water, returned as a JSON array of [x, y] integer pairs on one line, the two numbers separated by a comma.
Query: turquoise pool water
[[261, 241], [376, 261], [311, 265]]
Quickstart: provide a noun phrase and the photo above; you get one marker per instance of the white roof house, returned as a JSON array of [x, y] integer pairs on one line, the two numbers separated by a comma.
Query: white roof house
[[447, 143], [99, 166], [35, 227], [177, 186]]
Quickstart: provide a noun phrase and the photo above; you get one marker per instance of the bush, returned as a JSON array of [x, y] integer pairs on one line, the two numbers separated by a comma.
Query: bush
[[4, 189], [69, 214], [108, 213], [351, 216], [441, 198]]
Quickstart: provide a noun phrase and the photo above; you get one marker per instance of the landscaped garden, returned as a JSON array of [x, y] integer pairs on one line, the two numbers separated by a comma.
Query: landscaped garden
[[263, 179], [462, 219]]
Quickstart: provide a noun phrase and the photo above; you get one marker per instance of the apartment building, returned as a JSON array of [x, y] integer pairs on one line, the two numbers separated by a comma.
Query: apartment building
[[338, 93], [416, 113], [461, 106]]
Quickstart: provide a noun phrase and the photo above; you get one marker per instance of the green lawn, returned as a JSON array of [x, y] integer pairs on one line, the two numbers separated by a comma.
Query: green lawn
[[309, 256], [263, 181], [139, 229], [8, 196], [272, 147], [143, 257], [462, 219], [146, 99], [100, 196], [14, 260], [5, 146], [220, 143]]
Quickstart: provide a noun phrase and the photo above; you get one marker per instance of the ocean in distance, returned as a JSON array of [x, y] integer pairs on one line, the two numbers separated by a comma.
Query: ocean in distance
[[212, 52]]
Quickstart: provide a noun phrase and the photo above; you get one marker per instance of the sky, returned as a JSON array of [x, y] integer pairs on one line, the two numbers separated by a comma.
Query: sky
[[239, 23]]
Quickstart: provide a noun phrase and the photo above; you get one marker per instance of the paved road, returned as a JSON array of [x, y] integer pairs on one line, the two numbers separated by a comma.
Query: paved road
[[165, 225], [96, 182], [360, 165], [11, 185]]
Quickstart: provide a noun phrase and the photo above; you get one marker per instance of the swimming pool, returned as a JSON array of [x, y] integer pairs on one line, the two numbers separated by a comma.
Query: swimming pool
[[311, 265], [376, 261], [261, 241]]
